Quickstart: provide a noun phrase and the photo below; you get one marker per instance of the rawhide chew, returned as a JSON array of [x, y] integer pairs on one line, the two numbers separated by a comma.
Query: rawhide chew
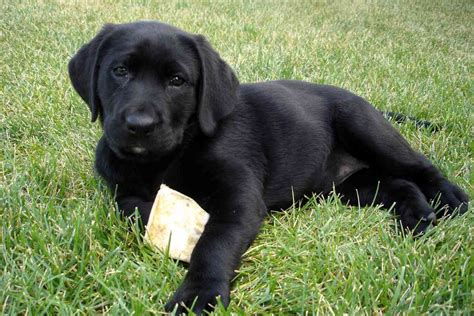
[[176, 221]]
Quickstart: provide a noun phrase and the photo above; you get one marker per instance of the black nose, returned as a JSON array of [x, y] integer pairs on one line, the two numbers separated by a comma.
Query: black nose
[[138, 123]]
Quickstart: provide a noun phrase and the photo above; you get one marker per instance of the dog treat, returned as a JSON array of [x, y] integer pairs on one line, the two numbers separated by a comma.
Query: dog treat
[[176, 222]]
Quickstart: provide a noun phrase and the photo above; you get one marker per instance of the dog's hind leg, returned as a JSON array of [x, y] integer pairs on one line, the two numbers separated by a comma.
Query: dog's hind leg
[[367, 187], [368, 136]]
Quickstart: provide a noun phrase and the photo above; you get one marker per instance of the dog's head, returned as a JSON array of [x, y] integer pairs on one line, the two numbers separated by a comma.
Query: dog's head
[[147, 82]]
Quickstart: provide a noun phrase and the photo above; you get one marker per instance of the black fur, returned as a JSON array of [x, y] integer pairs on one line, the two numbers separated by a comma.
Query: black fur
[[173, 112]]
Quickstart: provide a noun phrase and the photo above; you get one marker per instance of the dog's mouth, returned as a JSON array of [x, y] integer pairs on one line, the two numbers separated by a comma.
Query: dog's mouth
[[137, 150], [134, 153], [141, 149], [140, 153]]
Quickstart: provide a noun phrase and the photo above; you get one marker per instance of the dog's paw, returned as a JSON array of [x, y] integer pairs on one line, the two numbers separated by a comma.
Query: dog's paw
[[449, 199], [198, 297], [416, 217]]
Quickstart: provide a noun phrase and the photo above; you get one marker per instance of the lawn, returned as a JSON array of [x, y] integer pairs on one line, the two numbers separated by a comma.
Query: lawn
[[64, 250]]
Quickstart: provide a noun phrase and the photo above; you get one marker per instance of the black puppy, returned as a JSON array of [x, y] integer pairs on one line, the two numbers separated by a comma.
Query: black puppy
[[173, 112]]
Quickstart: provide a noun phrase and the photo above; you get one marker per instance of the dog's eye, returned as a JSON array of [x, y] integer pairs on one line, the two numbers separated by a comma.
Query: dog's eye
[[176, 81], [120, 71]]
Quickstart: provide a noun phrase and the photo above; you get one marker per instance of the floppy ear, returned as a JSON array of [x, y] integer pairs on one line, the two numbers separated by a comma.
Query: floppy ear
[[83, 71], [218, 87]]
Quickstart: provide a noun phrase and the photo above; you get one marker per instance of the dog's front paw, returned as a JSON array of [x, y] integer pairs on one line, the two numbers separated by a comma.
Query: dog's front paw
[[415, 214], [449, 199], [198, 297]]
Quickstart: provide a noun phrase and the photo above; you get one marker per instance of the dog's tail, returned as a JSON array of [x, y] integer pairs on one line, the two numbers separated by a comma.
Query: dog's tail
[[402, 118]]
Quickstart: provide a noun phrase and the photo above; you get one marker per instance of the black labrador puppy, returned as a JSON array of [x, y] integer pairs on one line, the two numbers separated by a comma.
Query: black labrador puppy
[[173, 112]]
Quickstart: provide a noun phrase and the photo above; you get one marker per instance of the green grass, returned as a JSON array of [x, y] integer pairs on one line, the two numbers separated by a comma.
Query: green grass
[[64, 251]]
